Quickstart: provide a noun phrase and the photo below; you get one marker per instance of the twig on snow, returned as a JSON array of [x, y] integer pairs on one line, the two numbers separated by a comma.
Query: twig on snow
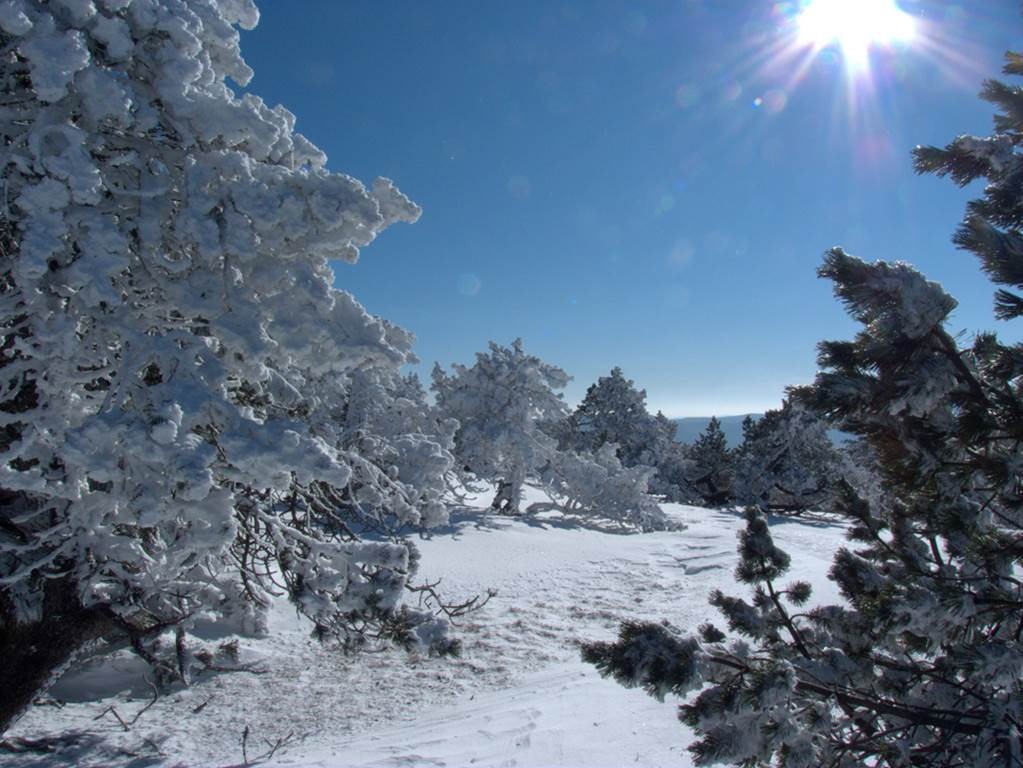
[[126, 724]]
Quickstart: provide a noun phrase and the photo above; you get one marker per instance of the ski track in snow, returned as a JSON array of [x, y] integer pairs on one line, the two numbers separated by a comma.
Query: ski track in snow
[[517, 696]]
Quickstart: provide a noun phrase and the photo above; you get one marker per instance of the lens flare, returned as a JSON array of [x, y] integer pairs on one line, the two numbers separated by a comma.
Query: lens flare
[[855, 26], [833, 68]]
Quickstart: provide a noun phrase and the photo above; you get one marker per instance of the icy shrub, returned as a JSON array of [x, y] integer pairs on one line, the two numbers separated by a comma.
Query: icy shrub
[[597, 485]]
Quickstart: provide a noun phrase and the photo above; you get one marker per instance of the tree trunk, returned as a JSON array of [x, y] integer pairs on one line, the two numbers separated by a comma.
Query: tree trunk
[[36, 653], [503, 497], [509, 493]]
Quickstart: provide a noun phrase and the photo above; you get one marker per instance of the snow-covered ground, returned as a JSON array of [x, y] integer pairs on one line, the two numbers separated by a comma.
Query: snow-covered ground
[[517, 696]]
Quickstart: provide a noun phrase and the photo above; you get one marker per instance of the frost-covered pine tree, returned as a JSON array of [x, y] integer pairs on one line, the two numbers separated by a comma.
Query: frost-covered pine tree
[[172, 346], [499, 404], [666, 429], [922, 663], [670, 461], [786, 461], [387, 420], [614, 411], [709, 466]]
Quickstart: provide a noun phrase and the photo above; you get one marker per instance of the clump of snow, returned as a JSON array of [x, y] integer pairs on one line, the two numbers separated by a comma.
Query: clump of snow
[[54, 57], [998, 151], [13, 19]]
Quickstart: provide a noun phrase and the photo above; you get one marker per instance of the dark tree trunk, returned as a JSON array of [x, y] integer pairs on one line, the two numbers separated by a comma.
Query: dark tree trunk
[[509, 493], [503, 497], [35, 653]]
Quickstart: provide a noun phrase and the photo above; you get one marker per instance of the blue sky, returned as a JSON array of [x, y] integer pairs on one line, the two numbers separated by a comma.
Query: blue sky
[[643, 184]]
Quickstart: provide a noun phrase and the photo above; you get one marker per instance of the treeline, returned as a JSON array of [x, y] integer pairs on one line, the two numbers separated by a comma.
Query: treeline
[[513, 425]]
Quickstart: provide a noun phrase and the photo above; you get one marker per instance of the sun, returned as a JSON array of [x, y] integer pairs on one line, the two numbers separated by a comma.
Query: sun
[[855, 25]]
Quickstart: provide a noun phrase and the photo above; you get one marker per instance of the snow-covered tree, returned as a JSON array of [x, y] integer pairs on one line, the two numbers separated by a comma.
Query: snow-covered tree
[[786, 461], [387, 420], [665, 430], [499, 403], [172, 345], [598, 485], [614, 411], [671, 462], [922, 664], [709, 466]]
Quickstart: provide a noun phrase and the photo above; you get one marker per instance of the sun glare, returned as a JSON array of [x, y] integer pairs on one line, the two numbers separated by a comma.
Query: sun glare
[[855, 25]]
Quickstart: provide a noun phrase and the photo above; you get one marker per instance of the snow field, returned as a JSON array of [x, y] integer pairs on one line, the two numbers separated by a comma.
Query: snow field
[[517, 696]]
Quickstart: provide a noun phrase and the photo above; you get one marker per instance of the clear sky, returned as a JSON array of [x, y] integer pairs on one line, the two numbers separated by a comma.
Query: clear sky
[[643, 184]]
